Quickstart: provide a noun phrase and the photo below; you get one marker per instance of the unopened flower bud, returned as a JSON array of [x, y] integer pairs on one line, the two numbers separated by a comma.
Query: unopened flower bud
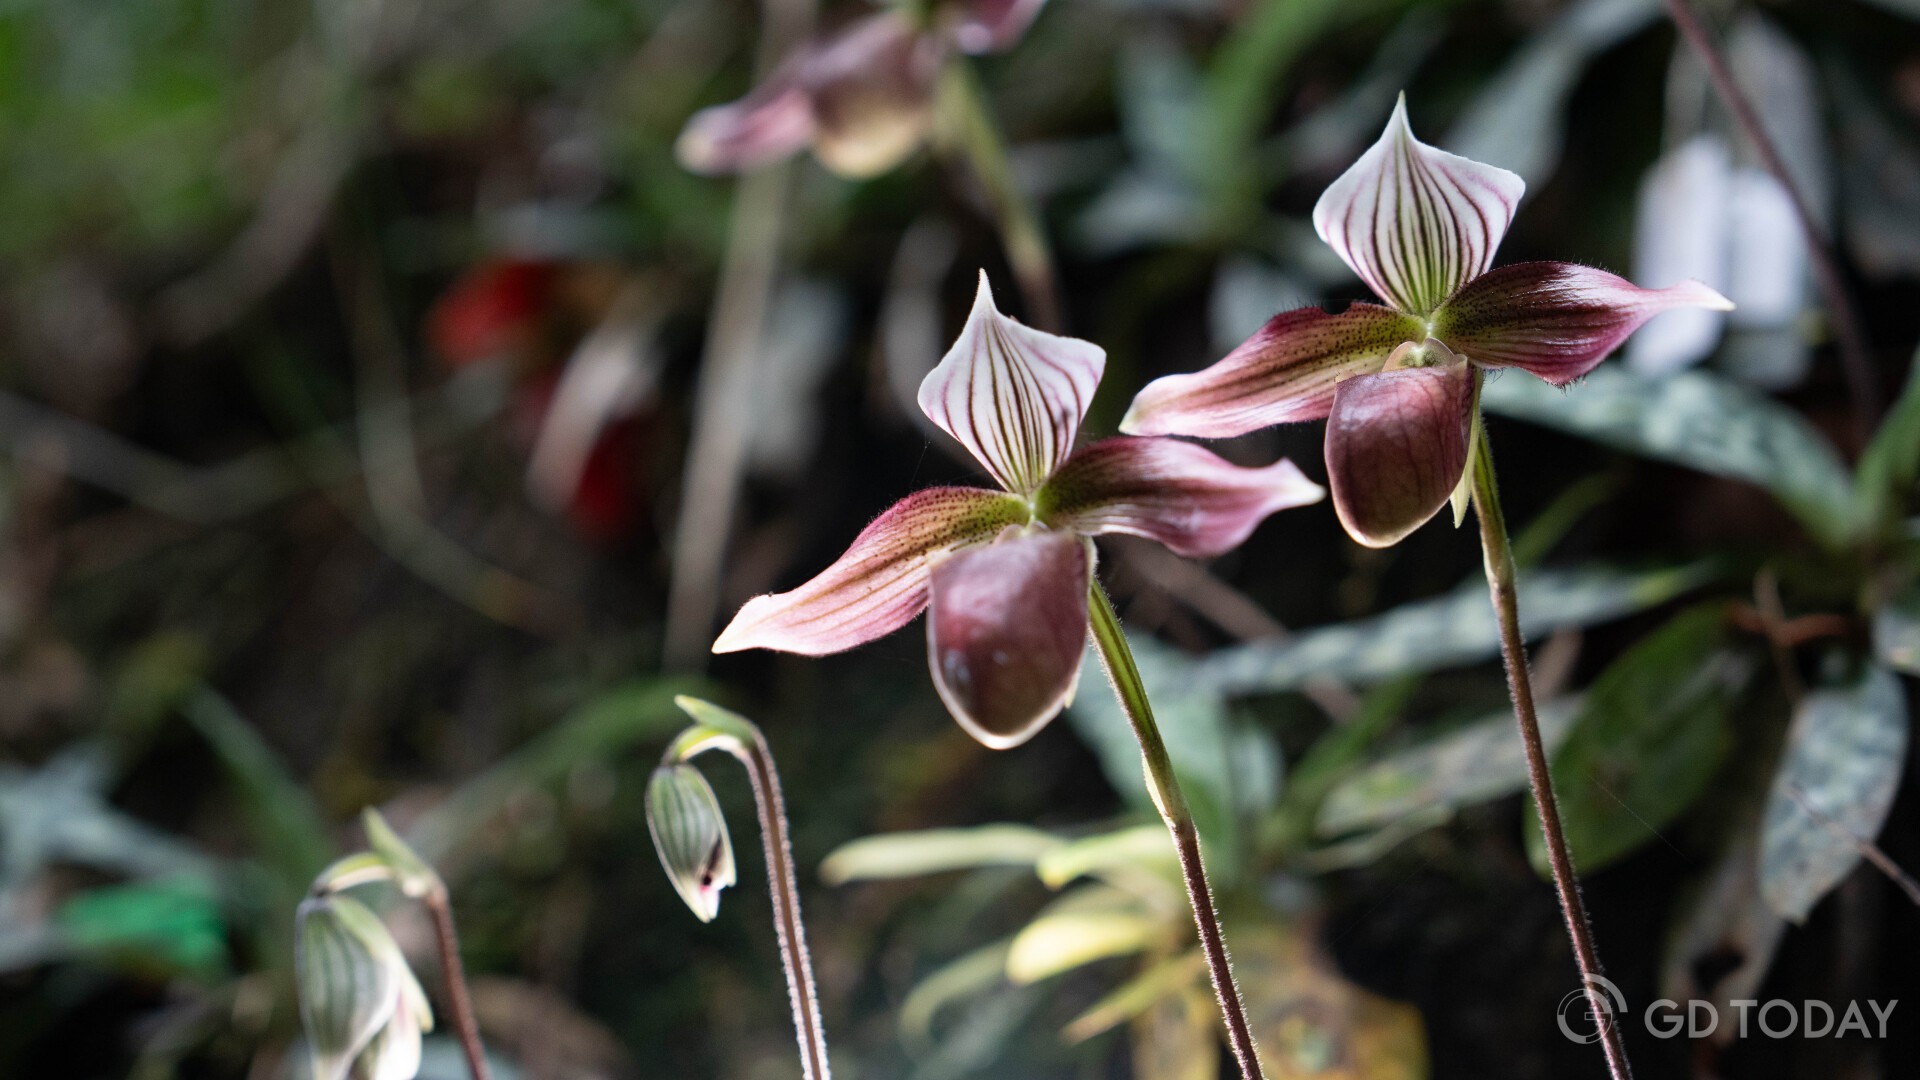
[[360, 1004], [690, 834], [410, 872]]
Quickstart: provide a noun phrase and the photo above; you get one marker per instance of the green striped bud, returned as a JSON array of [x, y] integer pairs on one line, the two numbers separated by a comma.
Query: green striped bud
[[690, 834], [360, 1004]]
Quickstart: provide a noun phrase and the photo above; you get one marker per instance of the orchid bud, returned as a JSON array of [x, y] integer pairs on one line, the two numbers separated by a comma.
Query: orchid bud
[[410, 872], [690, 833], [362, 1009]]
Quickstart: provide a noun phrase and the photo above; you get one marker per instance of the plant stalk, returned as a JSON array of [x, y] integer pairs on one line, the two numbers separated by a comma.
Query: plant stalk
[[975, 138], [784, 888], [454, 976], [1855, 359], [1117, 658], [1513, 651]]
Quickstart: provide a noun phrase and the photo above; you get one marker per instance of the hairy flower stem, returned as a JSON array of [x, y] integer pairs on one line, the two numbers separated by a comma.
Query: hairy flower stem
[[971, 134], [1513, 650], [1856, 362], [1117, 658], [783, 887], [454, 976]]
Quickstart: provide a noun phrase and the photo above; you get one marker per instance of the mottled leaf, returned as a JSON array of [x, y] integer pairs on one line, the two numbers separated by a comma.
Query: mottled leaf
[[1836, 782], [1702, 422], [1480, 761], [1648, 737], [1896, 633], [1426, 635]]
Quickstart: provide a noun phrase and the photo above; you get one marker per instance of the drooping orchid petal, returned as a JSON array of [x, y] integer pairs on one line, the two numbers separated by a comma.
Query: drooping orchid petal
[[1006, 628], [1396, 446], [880, 584], [771, 123], [990, 26], [1416, 222], [862, 98], [872, 93], [1012, 395], [1186, 497], [1284, 373], [1555, 320]]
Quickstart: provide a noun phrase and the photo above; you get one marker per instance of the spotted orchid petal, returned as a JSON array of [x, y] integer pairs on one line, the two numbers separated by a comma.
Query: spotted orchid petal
[[1416, 222], [1396, 447], [991, 26], [1012, 395], [862, 98], [1006, 629], [1284, 373], [880, 584], [1186, 497], [1556, 320]]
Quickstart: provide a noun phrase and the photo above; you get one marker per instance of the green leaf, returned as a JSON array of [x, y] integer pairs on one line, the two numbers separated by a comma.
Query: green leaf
[[971, 975], [633, 712], [1703, 422], [1092, 923], [1137, 994], [1516, 121], [1888, 470], [1478, 762], [1448, 631], [1142, 847], [1647, 739], [174, 925], [288, 831], [935, 851], [1834, 787]]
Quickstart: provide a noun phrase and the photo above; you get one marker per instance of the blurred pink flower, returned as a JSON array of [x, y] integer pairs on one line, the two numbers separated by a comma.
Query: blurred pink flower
[[1397, 382], [861, 97], [1005, 574]]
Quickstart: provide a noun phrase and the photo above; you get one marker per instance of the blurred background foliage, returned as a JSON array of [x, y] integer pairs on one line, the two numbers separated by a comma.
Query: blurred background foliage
[[351, 354]]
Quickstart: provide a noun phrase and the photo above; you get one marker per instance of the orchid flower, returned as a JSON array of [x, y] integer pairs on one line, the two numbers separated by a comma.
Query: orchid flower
[[1005, 574], [1397, 383], [861, 97]]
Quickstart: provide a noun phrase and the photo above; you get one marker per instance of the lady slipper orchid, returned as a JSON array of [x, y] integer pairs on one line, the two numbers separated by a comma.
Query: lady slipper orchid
[[862, 97], [1397, 383], [1004, 574]]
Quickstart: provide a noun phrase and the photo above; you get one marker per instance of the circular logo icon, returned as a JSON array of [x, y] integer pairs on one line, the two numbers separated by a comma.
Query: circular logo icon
[[1587, 1013]]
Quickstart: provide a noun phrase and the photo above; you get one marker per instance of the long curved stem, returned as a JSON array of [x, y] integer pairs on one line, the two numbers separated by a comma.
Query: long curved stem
[[1117, 658], [1513, 650], [453, 974], [973, 136], [1856, 361], [782, 885]]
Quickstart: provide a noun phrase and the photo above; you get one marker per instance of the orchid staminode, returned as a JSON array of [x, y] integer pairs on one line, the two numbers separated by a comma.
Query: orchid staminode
[[1004, 574], [1397, 383], [861, 97]]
